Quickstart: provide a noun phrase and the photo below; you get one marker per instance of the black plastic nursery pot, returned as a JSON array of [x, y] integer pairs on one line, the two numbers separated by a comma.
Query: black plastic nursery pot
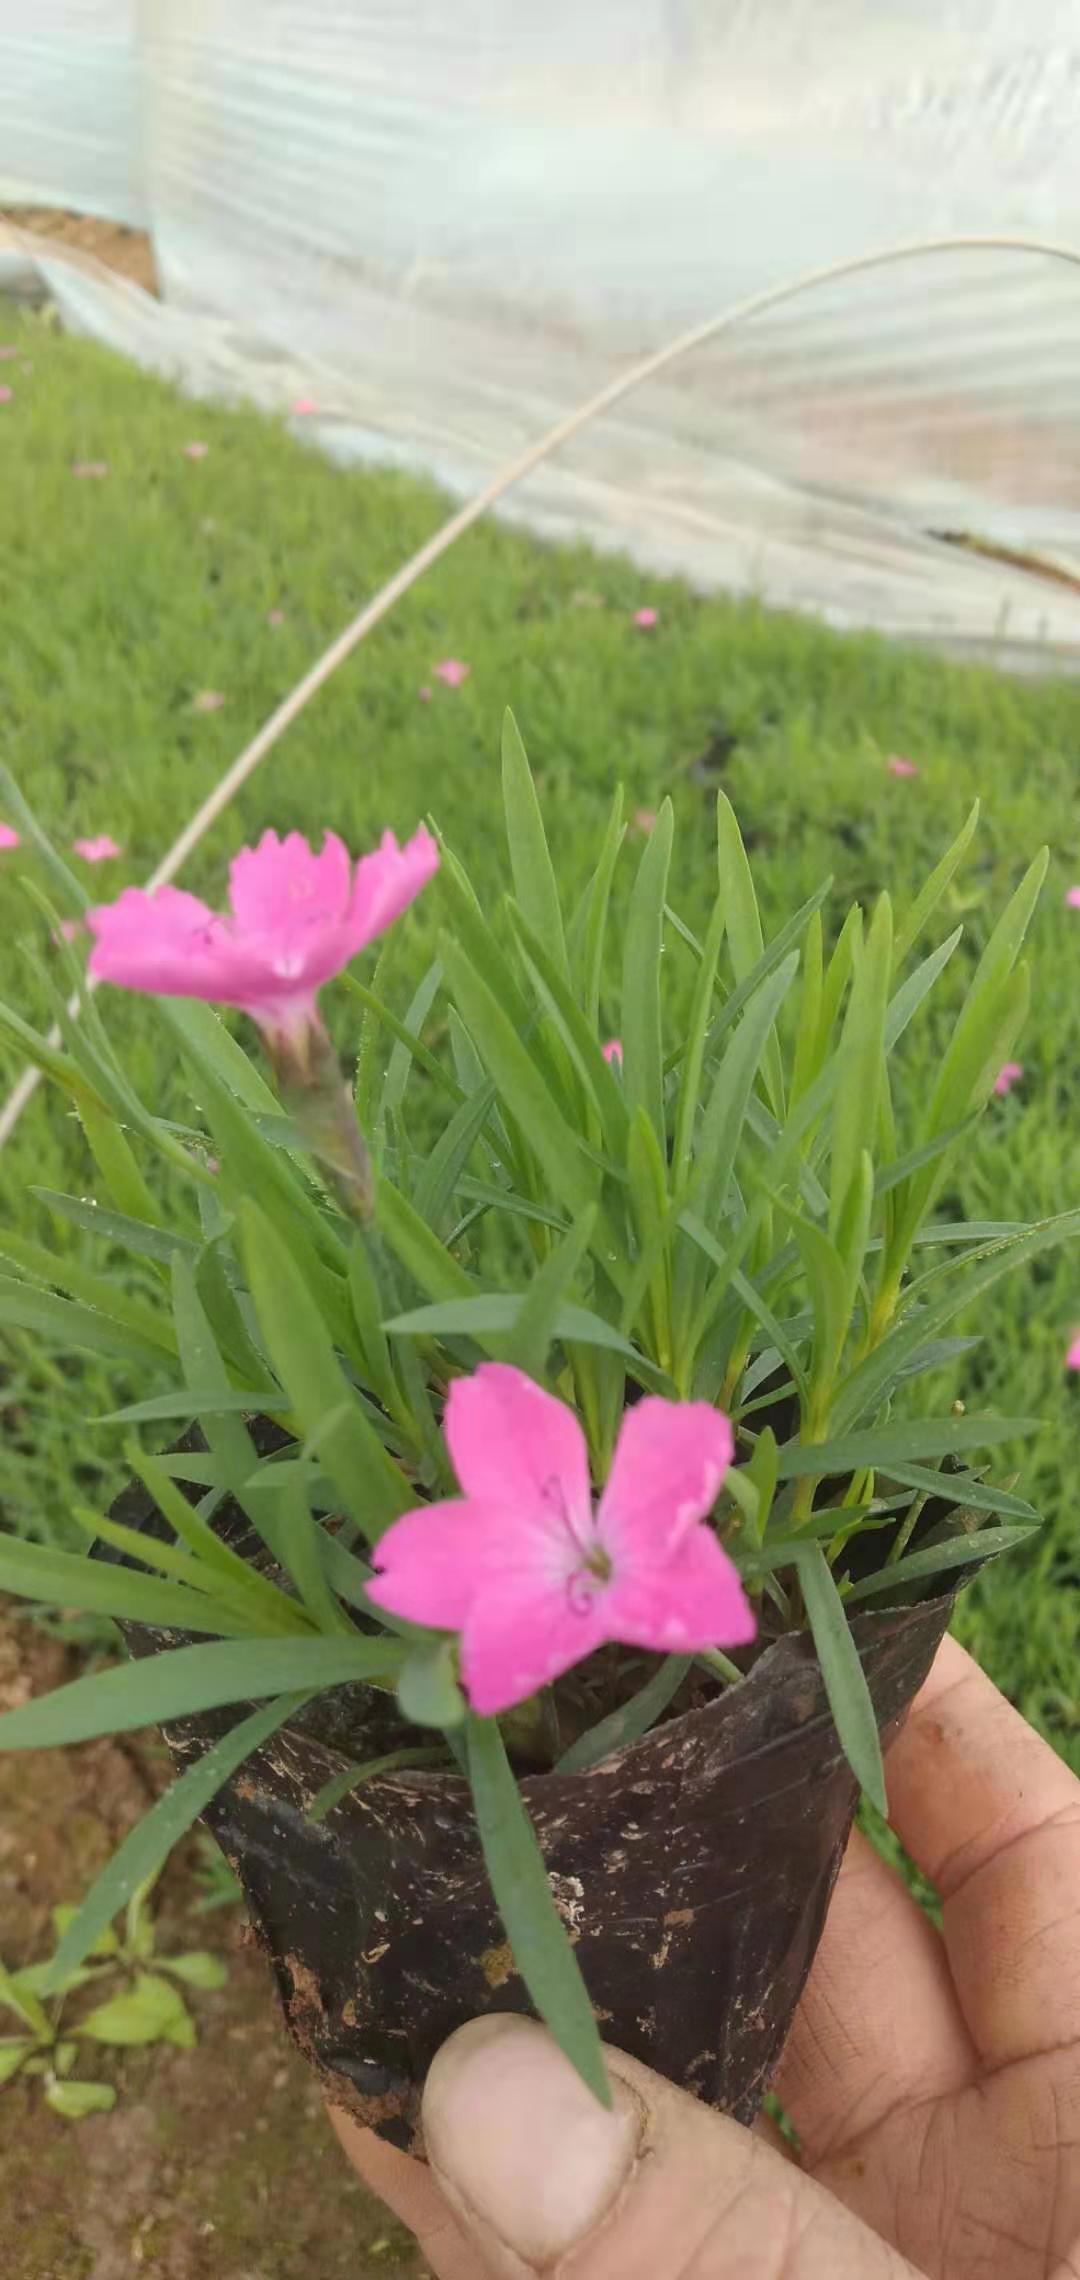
[[693, 1869]]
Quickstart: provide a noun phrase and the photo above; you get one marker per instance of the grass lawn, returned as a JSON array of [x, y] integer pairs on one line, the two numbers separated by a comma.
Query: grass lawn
[[124, 596]]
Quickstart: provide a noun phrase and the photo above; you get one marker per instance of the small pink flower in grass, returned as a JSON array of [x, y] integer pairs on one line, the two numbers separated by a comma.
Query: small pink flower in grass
[[296, 919], [452, 671], [68, 930], [898, 766], [275, 617], [89, 469], [1008, 1075], [1072, 1358], [303, 406], [8, 838], [644, 819], [424, 692], [1072, 898], [208, 701], [196, 450], [532, 1576], [99, 850], [8, 349], [645, 619], [6, 395], [613, 1051]]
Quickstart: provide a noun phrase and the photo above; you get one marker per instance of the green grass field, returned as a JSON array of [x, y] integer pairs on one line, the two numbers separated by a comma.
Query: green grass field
[[124, 597]]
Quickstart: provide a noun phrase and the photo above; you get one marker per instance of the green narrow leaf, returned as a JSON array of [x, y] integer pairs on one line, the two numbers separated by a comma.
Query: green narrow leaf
[[580, 1039], [519, 1881], [862, 1063], [984, 1544], [371, 1486], [99, 1291], [966, 1491], [522, 1084], [916, 1437], [115, 1161], [910, 995], [843, 1674], [72, 1327], [299, 1542], [451, 1153], [342, 1784], [533, 1331], [745, 940], [630, 1720], [226, 1575], [399, 1066], [368, 1312], [808, 1034], [189, 1679], [490, 1313], [596, 921], [418, 1249], [696, 1035], [428, 1692], [643, 943], [74, 2100], [722, 1125], [70, 1579], [145, 1239], [535, 884], [926, 902]]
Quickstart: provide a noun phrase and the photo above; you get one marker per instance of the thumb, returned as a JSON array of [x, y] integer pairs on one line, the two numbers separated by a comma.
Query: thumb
[[543, 2180]]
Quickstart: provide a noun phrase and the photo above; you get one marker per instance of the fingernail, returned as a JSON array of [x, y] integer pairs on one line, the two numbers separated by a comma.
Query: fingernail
[[518, 2141]]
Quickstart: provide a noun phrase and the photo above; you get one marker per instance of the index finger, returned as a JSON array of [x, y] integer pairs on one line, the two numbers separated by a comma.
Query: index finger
[[992, 1817]]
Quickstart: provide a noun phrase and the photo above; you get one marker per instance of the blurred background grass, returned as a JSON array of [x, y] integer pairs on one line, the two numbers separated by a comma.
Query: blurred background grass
[[123, 597]]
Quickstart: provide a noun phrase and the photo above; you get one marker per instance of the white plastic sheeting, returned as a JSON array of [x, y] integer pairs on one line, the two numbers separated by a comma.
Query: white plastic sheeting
[[448, 225]]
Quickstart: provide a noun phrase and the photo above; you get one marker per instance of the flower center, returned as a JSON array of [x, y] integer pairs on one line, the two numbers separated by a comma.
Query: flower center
[[592, 1565]]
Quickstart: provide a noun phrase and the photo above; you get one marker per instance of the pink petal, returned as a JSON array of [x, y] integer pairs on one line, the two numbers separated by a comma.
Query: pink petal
[[453, 672], [275, 617], [90, 467], [1008, 1075], [7, 395], [613, 1051], [8, 837], [678, 1606], [387, 882], [669, 1462], [520, 1634], [283, 890], [68, 930], [1072, 1358], [208, 701], [514, 1445], [99, 850], [897, 766], [303, 406], [196, 450], [426, 1562], [1072, 898], [171, 943], [646, 618]]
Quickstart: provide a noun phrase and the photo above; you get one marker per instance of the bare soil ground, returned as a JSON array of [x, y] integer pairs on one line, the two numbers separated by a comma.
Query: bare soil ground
[[130, 252], [217, 2163]]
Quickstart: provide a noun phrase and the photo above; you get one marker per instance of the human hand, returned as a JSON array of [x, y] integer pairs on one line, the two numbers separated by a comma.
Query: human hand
[[935, 2084]]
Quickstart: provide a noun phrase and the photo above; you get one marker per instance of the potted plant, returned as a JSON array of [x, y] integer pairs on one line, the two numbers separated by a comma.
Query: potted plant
[[553, 1539]]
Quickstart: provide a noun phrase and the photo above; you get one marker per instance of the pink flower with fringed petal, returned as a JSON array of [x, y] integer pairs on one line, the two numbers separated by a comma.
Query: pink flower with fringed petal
[[97, 850], [613, 1051], [530, 1573], [8, 837], [1008, 1075], [647, 618], [898, 766], [453, 671], [296, 919]]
